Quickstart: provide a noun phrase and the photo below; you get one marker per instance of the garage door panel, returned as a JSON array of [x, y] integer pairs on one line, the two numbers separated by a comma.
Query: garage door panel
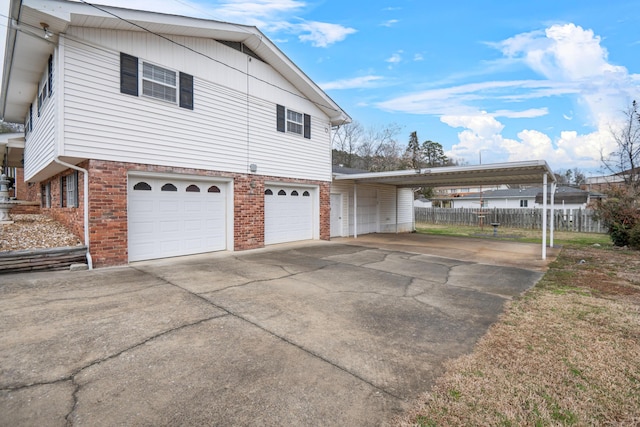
[[173, 219], [288, 217]]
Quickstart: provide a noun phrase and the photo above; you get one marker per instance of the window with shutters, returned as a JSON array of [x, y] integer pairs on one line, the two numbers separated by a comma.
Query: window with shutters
[[157, 82], [291, 121]]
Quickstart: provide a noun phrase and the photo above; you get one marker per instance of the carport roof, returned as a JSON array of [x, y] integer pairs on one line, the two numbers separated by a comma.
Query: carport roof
[[513, 173]]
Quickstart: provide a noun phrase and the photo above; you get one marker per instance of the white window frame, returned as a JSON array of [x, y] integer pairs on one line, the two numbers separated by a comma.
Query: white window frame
[[71, 183], [524, 203], [295, 122], [157, 82]]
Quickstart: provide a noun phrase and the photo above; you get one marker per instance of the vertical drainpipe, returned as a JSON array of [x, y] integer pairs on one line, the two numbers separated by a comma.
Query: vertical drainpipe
[[85, 205]]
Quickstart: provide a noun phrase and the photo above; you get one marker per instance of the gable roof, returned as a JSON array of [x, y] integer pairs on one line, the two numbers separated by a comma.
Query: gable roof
[[25, 34]]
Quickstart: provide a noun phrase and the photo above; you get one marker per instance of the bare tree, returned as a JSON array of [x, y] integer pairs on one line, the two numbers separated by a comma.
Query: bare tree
[[346, 140], [625, 159], [380, 149]]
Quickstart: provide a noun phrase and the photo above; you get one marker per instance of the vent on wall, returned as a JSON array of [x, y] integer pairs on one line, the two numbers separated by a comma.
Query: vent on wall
[[240, 47]]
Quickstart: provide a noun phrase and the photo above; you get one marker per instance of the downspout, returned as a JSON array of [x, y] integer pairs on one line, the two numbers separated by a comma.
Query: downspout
[[85, 205]]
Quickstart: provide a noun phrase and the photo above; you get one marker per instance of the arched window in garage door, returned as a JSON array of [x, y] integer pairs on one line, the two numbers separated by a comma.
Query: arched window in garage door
[[282, 193], [213, 189], [268, 192], [142, 186], [193, 189], [169, 187]]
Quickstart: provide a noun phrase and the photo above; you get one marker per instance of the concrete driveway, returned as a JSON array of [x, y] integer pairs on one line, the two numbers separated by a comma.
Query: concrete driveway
[[322, 333]]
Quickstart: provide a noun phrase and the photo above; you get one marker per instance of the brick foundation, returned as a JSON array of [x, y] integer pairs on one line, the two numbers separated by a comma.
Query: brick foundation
[[108, 207]]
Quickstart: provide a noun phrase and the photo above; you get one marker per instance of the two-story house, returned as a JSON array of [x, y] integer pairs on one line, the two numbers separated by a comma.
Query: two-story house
[[155, 135]]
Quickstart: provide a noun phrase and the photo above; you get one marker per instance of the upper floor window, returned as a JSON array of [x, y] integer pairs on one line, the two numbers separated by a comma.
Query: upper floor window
[[293, 122], [524, 203], [158, 82]]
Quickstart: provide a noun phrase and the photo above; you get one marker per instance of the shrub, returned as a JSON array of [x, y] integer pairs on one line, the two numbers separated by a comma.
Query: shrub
[[619, 234], [634, 237], [620, 211]]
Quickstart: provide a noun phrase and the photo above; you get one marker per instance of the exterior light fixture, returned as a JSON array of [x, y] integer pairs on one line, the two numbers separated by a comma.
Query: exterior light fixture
[[45, 27]]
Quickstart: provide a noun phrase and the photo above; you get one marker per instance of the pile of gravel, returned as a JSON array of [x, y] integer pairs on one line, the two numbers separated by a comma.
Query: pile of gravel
[[35, 232]]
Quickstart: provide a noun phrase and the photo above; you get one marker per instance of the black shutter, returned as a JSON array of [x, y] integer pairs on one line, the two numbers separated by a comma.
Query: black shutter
[[75, 191], [186, 91], [30, 117], [128, 74], [280, 122], [50, 75], [307, 126], [63, 193]]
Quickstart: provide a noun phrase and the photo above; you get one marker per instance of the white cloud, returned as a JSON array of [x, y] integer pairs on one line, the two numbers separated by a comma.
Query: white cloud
[[572, 64], [418, 57], [395, 58], [355, 83], [389, 23], [322, 34]]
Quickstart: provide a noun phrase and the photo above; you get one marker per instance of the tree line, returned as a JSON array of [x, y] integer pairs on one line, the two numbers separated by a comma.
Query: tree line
[[377, 148]]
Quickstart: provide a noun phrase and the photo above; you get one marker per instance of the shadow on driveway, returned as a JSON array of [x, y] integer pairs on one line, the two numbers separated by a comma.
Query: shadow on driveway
[[318, 333]]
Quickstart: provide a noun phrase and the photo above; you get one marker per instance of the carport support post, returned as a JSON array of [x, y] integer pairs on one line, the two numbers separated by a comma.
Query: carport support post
[[553, 213], [544, 216], [355, 210]]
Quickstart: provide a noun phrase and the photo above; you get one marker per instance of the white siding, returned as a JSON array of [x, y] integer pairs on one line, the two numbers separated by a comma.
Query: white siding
[[405, 210], [387, 208], [40, 144], [228, 130], [378, 208]]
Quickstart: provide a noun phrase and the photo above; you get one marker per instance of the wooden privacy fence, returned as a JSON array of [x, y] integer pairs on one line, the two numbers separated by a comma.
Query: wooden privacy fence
[[564, 219]]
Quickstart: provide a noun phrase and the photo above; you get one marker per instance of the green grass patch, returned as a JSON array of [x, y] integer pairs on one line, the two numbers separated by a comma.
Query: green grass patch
[[515, 234]]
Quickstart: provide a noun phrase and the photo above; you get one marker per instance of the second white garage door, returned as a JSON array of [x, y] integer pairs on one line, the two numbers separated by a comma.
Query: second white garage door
[[288, 214], [173, 216]]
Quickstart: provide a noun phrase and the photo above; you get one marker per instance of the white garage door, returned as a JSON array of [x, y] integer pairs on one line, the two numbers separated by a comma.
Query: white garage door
[[288, 214], [175, 216]]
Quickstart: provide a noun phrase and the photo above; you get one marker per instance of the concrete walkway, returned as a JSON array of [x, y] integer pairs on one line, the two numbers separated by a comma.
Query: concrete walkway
[[320, 333]]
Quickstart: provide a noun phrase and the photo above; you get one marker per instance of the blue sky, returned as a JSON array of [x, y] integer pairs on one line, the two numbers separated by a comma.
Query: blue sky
[[511, 80]]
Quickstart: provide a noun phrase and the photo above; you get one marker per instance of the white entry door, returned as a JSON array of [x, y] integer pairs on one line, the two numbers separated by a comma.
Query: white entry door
[[336, 215], [173, 216], [288, 214]]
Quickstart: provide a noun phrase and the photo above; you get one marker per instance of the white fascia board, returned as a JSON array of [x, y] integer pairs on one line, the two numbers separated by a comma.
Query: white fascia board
[[74, 13]]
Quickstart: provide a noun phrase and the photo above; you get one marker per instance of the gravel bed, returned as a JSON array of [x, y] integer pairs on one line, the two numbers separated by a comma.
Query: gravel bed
[[35, 232]]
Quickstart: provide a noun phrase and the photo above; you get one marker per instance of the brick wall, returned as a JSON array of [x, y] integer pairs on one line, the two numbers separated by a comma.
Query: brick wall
[[108, 207]]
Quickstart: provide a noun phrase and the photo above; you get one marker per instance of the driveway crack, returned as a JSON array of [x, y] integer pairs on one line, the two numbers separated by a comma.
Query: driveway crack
[[280, 337]]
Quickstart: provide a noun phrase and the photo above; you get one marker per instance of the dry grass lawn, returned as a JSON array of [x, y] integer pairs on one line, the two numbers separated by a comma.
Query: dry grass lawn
[[565, 353]]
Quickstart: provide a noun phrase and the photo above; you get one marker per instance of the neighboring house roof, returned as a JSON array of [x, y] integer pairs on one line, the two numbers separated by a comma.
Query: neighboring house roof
[[25, 33], [569, 195], [341, 170]]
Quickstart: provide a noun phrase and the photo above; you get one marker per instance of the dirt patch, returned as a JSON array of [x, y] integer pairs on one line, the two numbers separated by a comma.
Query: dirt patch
[[566, 353], [35, 232]]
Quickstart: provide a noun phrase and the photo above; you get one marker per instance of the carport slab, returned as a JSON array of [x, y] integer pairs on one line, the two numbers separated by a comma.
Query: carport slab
[[314, 334]]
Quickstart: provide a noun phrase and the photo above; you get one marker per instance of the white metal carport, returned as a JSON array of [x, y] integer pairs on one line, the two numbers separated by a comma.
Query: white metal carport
[[514, 173]]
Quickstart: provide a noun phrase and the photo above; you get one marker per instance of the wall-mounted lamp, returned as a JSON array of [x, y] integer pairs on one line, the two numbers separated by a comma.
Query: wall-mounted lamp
[[47, 34]]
